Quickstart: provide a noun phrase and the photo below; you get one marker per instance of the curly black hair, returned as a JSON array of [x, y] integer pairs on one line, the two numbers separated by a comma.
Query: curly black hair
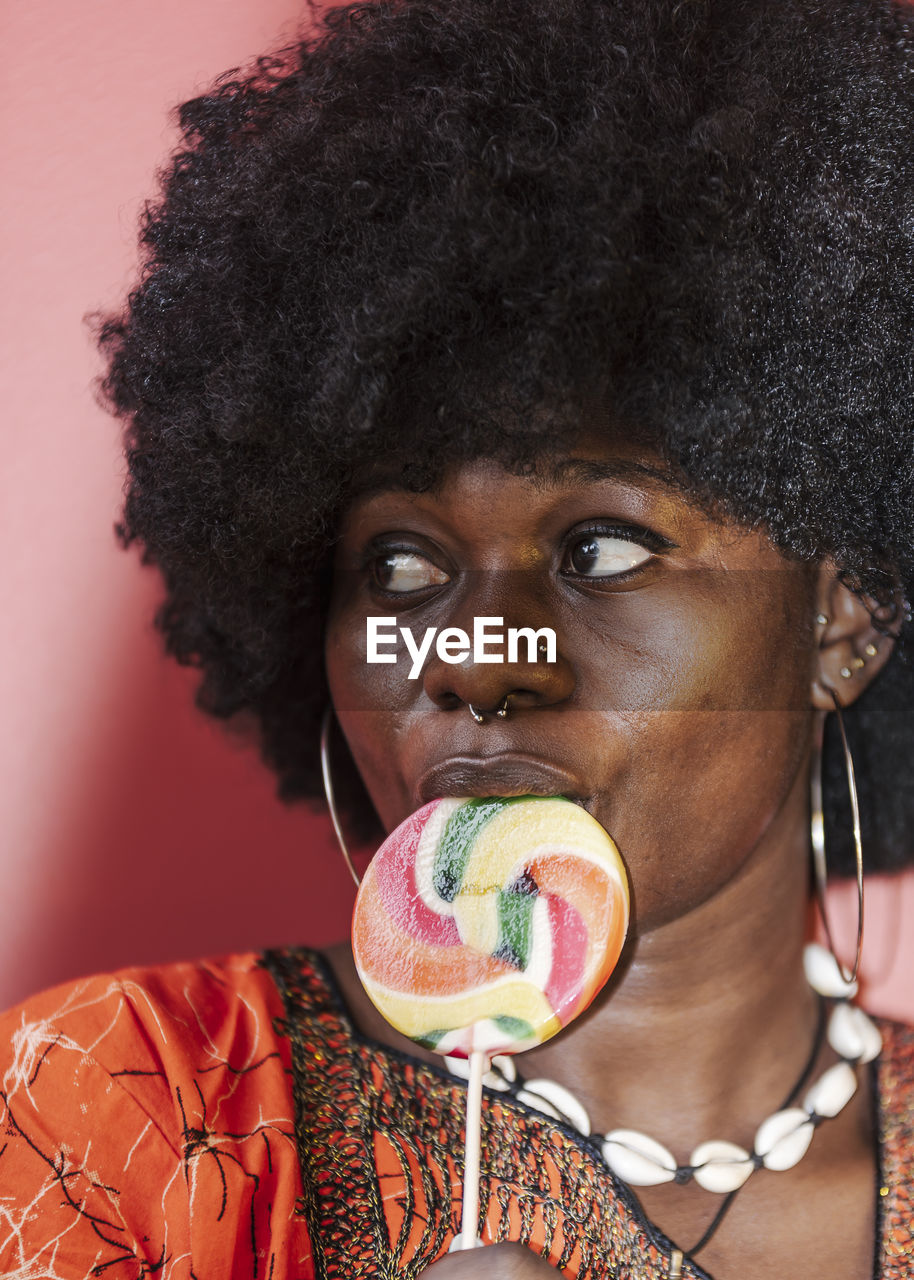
[[434, 229]]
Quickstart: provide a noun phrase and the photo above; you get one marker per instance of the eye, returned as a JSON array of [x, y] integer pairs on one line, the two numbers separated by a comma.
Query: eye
[[607, 554], [403, 571]]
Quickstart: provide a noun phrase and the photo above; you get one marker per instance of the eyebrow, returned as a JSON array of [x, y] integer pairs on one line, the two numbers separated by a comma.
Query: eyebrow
[[561, 471], [588, 470]]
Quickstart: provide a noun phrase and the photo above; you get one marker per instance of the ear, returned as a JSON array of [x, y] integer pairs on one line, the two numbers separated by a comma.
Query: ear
[[851, 650]]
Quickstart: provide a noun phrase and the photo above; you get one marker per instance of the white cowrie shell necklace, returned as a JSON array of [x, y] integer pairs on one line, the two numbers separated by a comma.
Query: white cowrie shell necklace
[[781, 1140]]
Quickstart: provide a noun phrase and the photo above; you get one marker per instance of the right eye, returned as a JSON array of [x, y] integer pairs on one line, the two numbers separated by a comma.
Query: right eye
[[600, 555], [400, 572]]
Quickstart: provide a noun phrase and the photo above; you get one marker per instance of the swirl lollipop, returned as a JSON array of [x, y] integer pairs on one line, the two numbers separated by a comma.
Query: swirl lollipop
[[484, 926]]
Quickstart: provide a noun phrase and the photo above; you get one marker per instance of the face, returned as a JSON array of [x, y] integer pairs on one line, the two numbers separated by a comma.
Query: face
[[677, 709]]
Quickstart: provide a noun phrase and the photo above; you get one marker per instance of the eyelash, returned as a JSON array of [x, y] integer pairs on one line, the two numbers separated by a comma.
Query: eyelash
[[653, 542], [379, 551], [647, 538]]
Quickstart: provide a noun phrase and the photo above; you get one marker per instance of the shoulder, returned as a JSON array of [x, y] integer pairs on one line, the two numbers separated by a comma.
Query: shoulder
[[137, 1043], [142, 1021], [896, 1062], [156, 1102], [895, 1087], [895, 1117]]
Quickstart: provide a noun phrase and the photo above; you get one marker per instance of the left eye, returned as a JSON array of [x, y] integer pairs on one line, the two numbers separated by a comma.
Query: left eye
[[403, 571], [601, 555]]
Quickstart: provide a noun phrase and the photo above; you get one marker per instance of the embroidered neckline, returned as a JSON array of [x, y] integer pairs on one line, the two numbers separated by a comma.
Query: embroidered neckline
[[350, 1128]]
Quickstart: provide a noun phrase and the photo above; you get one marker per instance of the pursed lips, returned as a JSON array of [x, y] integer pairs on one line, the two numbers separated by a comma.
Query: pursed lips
[[499, 775]]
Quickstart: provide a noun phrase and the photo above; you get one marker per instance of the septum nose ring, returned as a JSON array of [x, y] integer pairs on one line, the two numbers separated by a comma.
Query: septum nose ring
[[502, 709], [480, 716]]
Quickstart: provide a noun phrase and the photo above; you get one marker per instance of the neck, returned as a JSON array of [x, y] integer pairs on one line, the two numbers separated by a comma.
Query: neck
[[710, 1021]]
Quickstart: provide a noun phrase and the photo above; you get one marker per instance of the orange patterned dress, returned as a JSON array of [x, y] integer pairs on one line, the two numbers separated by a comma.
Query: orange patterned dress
[[224, 1119]]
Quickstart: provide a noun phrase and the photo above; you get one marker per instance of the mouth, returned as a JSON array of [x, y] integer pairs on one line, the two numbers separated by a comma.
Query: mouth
[[505, 774]]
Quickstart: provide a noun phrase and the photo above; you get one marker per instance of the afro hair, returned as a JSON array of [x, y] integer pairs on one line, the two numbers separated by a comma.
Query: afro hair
[[431, 229]]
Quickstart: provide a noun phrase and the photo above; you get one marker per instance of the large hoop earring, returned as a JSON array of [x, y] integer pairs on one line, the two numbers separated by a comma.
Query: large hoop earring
[[328, 793], [818, 840]]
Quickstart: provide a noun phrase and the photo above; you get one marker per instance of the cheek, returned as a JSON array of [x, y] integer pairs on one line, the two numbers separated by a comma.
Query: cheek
[[693, 796], [706, 720], [356, 683], [364, 699], [373, 738], [727, 640]]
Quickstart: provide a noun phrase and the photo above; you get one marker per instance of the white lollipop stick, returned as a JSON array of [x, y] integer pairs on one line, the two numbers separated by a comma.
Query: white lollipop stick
[[469, 1217]]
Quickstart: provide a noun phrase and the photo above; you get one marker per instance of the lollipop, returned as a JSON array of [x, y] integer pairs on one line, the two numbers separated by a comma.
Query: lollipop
[[490, 924], [484, 926]]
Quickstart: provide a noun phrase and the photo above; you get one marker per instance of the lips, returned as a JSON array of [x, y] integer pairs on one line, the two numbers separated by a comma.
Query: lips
[[499, 775]]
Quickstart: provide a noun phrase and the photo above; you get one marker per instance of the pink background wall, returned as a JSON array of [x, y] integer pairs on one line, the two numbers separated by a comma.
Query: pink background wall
[[132, 831]]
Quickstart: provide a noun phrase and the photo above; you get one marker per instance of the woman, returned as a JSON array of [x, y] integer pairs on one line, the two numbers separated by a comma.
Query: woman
[[584, 316]]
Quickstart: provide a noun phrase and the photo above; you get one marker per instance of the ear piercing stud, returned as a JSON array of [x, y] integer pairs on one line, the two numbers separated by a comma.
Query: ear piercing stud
[[859, 663], [847, 672]]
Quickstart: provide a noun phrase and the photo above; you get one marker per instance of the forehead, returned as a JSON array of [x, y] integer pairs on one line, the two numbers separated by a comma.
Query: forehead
[[482, 501], [591, 456]]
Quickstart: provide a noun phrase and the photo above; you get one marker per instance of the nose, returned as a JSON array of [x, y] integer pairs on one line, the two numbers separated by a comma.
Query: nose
[[523, 677]]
